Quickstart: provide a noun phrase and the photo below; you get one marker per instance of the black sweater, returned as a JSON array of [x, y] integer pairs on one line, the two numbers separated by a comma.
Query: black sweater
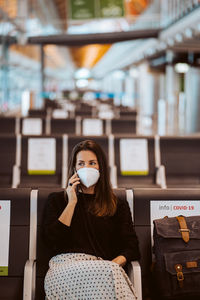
[[106, 237]]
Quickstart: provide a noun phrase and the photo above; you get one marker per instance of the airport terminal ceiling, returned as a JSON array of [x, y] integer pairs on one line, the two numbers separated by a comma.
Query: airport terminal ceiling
[[52, 17], [40, 17], [44, 18], [146, 31]]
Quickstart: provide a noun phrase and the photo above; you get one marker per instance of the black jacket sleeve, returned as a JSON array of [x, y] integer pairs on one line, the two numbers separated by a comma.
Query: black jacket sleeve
[[127, 239], [53, 230]]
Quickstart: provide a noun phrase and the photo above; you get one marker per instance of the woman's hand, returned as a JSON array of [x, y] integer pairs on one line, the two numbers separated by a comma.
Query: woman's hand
[[71, 188], [67, 214], [120, 260]]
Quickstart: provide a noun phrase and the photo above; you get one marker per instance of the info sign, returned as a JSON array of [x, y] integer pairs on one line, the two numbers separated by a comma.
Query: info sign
[[90, 9], [172, 208], [4, 236]]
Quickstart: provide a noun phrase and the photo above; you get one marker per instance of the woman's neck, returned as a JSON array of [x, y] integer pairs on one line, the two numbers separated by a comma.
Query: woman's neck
[[86, 190]]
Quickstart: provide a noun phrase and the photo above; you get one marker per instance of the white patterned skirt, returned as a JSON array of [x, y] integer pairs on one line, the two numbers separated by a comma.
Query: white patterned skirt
[[78, 276]]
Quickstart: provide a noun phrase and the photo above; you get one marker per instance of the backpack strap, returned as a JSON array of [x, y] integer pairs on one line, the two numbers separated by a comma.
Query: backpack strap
[[183, 228]]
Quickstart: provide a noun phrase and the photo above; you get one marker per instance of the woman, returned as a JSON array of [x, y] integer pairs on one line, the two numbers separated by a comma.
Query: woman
[[90, 232]]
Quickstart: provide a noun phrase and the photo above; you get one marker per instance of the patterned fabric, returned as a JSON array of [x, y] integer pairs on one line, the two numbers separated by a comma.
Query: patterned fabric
[[80, 276]]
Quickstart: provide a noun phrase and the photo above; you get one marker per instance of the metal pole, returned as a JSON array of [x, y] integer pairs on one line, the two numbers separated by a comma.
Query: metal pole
[[42, 70], [5, 71]]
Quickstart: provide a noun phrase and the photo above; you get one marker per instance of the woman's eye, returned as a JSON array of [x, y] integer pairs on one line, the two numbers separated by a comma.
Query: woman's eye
[[93, 163], [80, 164]]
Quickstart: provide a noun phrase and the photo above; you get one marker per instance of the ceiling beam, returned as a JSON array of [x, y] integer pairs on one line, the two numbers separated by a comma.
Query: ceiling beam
[[7, 39], [47, 13], [98, 38], [185, 48], [5, 18]]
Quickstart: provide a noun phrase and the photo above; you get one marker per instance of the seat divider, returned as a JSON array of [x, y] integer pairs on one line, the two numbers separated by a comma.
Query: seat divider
[[30, 266], [160, 169], [48, 122], [157, 150], [78, 125], [72, 114], [64, 160], [130, 199], [134, 269], [136, 276], [17, 126], [33, 224], [16, 168], [111, 155], [94, 112], [108, 127]]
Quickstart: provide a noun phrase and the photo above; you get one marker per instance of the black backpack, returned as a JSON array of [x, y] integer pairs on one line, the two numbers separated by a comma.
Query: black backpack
[[177, 257]]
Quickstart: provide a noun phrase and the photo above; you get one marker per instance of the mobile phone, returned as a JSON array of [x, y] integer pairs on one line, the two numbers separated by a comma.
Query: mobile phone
[[78, 185]]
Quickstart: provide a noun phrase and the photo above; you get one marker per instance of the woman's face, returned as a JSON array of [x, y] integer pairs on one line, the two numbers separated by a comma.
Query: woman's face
[[86, 159]]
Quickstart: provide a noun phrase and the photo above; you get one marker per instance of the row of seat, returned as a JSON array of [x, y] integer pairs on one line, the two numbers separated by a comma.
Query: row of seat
[[170, 161], [84, 126], [86, 111], [28, 264]]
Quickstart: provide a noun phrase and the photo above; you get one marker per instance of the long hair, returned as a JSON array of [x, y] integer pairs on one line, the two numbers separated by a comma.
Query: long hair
[[105, 203]]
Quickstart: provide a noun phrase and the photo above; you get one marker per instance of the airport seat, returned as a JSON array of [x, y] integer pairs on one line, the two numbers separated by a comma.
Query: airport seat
[[84, 110], [129, 181], [38, 113], [92, 127], [62, 126], [142, 219], [112, 126], [43, 127], [181, 158], [8, 125], [64, 146], [44, 254], [7, 159], [50, 104], [127, 113], [123, 126], [134, 269], [11, 286], [13, 125], [46, 180], [103, 141]]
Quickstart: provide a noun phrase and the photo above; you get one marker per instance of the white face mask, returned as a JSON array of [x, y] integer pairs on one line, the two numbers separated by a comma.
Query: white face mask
[[88, 176]]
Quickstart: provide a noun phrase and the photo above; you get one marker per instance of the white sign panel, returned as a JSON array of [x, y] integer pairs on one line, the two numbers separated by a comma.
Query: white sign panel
[[162, 117], [171, 208], [4, 236], [25, 103], [106, 114], [32, 126], [134, 157], [92, 127], [41, 156], [60, 114]]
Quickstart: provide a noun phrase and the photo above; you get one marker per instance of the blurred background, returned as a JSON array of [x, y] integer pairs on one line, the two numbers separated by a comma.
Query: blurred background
[[141, 54]]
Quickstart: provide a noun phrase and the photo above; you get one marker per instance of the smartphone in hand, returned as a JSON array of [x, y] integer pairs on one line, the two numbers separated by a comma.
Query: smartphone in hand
[[78, 185]]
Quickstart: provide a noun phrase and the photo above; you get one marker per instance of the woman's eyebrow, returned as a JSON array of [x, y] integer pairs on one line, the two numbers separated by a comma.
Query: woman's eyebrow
[[91, 160]]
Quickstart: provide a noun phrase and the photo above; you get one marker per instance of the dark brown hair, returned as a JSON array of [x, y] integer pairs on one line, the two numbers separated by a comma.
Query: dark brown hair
[[105, 203]]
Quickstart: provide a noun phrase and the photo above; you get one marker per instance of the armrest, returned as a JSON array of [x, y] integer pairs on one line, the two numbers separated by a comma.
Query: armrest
[[113, 176], [134, 273], [15, 176], [29, 280], [161, 177]]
